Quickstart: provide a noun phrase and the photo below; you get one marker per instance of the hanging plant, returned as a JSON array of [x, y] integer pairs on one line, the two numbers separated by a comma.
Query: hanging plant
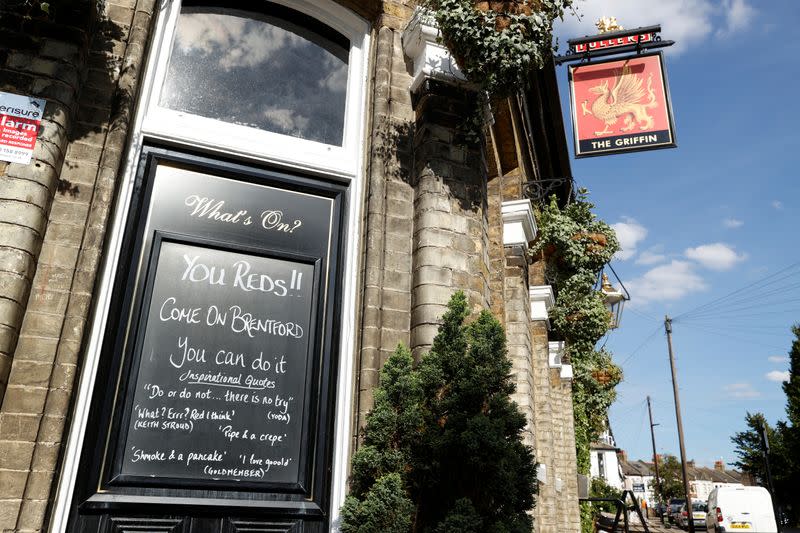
[[497, 44], [580, 316], [573, 239], [576, 245]]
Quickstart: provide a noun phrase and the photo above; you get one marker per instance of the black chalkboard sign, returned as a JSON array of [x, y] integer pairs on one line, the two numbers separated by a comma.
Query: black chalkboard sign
[[223, 367], [226, 336]]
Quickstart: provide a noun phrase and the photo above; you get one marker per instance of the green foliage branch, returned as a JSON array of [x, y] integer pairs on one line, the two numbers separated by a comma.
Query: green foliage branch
[[575, 246], [671, 479], [784, 443], [600, 489], [498, 44], [749, 450], [442, 446]]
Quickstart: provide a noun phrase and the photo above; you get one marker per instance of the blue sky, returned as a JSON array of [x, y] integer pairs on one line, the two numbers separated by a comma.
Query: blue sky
[[716, 214]]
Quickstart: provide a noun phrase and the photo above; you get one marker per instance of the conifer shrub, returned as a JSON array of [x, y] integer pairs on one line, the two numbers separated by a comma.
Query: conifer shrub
[[443, 450]]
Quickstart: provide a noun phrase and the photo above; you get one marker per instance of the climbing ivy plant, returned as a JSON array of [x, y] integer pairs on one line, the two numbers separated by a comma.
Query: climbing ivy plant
[[576, 245], [497, 44]]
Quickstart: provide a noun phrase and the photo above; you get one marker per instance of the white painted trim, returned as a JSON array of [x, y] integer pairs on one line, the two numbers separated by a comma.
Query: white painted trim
[[519, 226], [541, 473], [254, 143], [555, 351], [542, 300], [353, 170], [430, 58]]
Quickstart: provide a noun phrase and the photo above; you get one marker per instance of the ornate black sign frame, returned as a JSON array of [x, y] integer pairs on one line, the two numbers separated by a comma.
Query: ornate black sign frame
[[104, 490]]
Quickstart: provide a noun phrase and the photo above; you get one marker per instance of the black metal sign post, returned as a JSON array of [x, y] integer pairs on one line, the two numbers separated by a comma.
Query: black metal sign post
[[636, 40]]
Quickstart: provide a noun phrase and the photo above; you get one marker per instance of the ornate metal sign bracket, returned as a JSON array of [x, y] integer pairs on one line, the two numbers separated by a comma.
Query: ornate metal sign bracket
[[636, 40], [541, 189]]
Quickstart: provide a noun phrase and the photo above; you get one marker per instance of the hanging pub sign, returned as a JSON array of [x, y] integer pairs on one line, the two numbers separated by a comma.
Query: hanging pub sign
[[621, 105]]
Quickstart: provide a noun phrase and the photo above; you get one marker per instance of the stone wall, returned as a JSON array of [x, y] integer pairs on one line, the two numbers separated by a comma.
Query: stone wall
[[388, 219], [557, 507], [53, 216]]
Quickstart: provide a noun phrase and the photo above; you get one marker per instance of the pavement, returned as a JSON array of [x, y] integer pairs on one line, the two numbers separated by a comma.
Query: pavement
[[653, 524], [655, 527]]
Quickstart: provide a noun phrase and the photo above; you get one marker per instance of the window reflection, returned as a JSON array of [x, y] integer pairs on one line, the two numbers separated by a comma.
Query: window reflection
[[259, 71]]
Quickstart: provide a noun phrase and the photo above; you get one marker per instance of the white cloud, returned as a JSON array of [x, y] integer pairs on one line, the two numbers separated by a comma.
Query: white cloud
[[732, 223], [738, 14], [687, 22], [778, 359], [286, 119], [776, 204], [233, 41], [777, 375], [667, 282], [337, 79], [651, 256], [716, 256], [629, 233], [741, 390]]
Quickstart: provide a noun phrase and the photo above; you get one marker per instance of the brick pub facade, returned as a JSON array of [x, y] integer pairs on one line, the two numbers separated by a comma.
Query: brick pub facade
[[346, 163]]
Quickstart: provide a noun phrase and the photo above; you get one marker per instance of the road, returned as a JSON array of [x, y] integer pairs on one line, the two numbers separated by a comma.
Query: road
[[656, 527]]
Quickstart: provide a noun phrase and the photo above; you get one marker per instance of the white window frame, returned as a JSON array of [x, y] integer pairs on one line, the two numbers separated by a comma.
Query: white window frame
[[341, 163], [293, 152]]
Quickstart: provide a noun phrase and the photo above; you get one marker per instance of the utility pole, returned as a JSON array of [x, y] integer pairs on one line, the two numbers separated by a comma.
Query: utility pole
[[655, 455], [762, 430], [668, 328]]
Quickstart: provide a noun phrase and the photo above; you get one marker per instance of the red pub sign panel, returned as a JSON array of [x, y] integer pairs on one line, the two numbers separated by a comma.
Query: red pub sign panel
[[621, 105]]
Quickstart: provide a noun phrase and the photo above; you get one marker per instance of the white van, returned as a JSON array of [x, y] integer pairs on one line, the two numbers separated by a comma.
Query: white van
[[740, 508]]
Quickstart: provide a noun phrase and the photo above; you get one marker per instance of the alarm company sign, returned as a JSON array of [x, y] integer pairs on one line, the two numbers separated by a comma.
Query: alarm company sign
[[20, 118], [621, 105]]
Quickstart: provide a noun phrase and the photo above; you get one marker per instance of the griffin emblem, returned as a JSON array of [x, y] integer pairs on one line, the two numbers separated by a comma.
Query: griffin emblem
[[623, 100]]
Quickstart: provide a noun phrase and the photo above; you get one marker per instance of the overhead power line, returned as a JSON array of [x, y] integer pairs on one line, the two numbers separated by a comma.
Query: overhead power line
[[642, 345], [757, 285]]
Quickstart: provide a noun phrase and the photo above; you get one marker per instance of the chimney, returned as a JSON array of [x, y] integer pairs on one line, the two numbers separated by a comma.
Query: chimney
[[623, 456], [690, 464], [660, 458], [719, 466]]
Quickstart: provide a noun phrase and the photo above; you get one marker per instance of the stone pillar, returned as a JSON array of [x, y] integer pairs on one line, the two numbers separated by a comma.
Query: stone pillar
[[545, 409], [518, 230], [450, 242], [48, 68], [572, 520], [520, 342], [386, 300], [60, 207]]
